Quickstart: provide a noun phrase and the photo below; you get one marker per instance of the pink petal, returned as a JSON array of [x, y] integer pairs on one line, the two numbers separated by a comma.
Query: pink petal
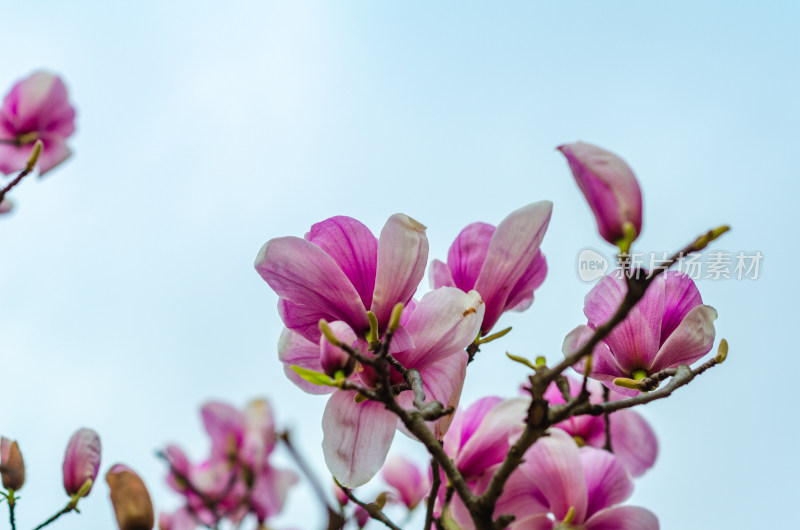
[[609, 185], [13, 158], [295, 350], [442, 382], [522, 500], [466, 422], [39, 103], [681, 295], [536, 522], [224, 425], [356, 438], [633, 441], [269, 492], [444, 322], [53, 153], [468, 253], [6, 206], [82, 460], [521, 296], [692, 339], [607, 482], [353, 247], [402, 256], [554, 468], [259, 434], [307, 276], [512, 248], [405, 477], [604, 365], [489, 443], [440, 275], [635, 341], [623, 518]]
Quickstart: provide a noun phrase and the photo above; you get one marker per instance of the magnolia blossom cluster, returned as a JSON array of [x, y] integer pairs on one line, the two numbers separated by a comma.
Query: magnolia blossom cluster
[[343, 293], [237, 479], [35, 110]]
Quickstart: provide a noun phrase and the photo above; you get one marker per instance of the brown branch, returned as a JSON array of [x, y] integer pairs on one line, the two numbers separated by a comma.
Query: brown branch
[[437, 481], [371, 508]]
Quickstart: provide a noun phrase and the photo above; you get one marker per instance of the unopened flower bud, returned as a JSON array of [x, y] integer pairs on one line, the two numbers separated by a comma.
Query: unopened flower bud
[[132, 505], [6, 206], [81, 462], [12, 468], [333, 358], [610, 187]]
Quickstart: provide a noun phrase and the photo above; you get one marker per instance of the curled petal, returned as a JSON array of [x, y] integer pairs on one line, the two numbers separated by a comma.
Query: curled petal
[[521, 296], [356, 438], [295, 350], [512, 248], [693, 338], [402, 256], [444, 322], [681, 296]]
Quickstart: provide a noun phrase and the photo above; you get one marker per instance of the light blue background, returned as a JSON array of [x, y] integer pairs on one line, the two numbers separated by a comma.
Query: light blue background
[[204, 129]]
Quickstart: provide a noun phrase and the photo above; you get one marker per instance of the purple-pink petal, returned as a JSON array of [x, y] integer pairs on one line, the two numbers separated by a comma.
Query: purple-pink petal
[[512, 248], [224, 425], [356, 438], [353, 247], [623, 518], [553, 466], [405, 477], [306, 275], [633, 440], [443, 323], [295, 350], [680, 296], [441, 275], [692, 339], [607, 481], [609, 185], [402, 256], [467, 255], [81, 460], [521, 296]]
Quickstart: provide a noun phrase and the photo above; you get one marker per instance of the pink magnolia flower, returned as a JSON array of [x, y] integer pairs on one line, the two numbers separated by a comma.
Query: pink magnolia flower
[[340, 270], [6, 206], [36, 108], [561, 486], [237, 479], [247, 436], [407, 480], [357, 435], [668, 327], [12, 467], [81, 461], [609, 186], [503, 264], [632, 439]]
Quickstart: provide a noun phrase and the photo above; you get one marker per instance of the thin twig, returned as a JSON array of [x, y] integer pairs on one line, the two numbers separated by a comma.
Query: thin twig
[[371, 508], [66, 509], [335, 519], [607, 420], [437, 481]]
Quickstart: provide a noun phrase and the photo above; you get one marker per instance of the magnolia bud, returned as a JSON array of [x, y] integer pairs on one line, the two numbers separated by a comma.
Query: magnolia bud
[[333, 358], [609, 186], [81, 462], [12, 468], [131, 501]]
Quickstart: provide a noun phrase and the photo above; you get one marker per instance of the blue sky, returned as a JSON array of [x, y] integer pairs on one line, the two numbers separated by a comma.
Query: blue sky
[[129, 296]]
